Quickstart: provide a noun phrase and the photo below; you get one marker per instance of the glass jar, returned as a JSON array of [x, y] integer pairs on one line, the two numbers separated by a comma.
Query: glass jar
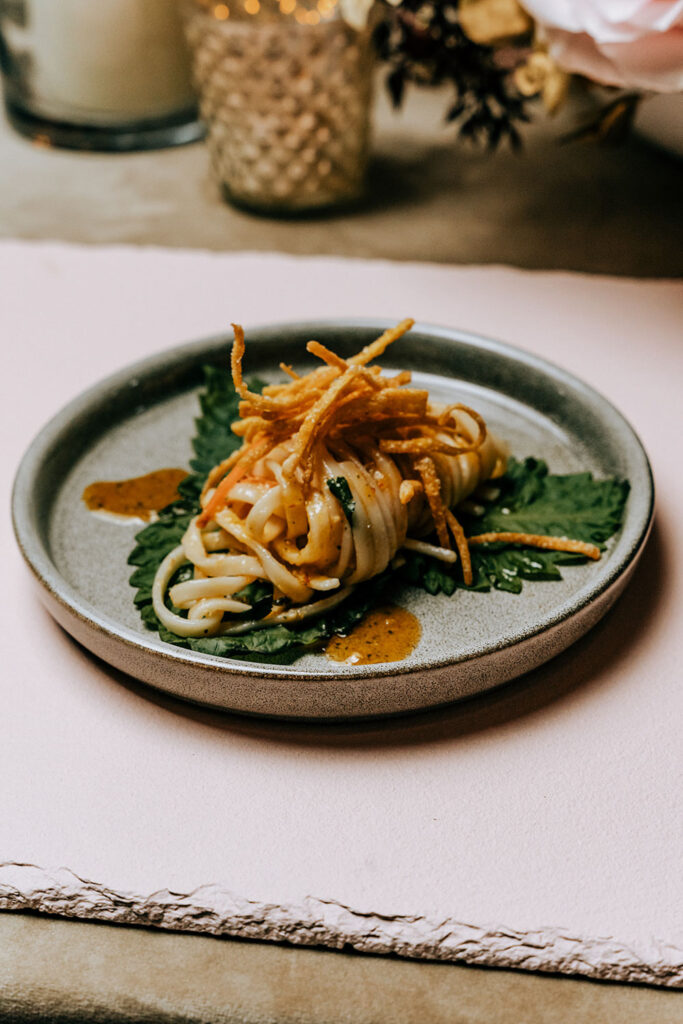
[[97, 74], [285, 88]]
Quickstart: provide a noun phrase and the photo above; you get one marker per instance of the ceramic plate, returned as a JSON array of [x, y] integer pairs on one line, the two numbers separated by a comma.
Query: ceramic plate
[[142, 419]]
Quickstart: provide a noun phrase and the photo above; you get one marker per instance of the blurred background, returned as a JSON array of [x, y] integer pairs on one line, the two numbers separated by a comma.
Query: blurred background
[[450, 132]]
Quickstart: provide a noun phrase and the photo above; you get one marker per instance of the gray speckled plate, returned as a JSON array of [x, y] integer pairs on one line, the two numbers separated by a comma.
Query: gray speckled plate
[[142, 419]]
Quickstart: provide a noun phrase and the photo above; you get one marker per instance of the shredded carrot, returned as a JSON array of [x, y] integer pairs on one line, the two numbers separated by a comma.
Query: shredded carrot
[[220, 494], [219, 471], [228, 482]]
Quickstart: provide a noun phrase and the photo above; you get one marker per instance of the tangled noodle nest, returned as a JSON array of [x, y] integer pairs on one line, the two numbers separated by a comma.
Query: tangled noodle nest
[[339, 469]]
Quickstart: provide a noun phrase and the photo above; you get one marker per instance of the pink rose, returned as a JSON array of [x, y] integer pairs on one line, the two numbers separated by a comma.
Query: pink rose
[[630, 43]]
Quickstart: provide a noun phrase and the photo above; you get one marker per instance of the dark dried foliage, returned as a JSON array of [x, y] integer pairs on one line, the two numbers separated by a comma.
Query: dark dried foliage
[[424, 44]]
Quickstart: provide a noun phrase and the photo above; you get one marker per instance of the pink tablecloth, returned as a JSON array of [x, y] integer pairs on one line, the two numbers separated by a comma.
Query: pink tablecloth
[[538, 827]]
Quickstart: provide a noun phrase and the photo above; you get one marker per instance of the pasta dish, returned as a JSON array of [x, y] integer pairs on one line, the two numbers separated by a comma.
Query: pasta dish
[[339, 470]]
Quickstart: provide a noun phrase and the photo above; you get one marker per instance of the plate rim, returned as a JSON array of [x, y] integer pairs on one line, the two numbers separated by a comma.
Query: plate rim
[[60, 590]]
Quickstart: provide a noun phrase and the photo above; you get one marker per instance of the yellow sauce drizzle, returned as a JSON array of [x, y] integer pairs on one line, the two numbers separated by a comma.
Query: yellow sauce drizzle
[[388, 633], [140, 496]]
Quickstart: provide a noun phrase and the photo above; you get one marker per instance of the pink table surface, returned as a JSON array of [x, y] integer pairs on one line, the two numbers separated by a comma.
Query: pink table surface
[[538, 827]]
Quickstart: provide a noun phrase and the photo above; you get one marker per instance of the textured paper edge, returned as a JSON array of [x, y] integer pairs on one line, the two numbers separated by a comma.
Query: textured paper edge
[[212, 910]]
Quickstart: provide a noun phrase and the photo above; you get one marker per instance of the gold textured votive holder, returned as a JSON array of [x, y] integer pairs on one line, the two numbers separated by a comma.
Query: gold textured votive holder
[[285, 89]]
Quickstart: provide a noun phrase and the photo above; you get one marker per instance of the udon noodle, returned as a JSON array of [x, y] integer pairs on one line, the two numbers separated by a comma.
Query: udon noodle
[[339, 470]]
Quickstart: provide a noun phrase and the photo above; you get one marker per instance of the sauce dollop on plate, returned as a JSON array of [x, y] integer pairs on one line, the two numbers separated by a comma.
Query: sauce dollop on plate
[[139, 498], [388, 633]]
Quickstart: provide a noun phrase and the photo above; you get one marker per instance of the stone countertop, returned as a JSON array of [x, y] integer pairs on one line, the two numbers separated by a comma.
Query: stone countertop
[[71, 972], [574, 207]]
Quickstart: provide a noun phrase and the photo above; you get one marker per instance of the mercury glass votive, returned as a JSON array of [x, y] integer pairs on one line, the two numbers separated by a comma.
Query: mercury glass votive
[[285, 88]]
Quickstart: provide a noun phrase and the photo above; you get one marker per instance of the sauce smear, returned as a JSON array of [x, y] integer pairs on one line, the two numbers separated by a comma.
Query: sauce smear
[[140, 496], [388, 633]]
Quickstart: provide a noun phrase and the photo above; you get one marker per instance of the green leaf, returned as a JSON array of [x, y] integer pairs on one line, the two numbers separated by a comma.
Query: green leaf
[[574, 505], [530, 501], [339, 486]]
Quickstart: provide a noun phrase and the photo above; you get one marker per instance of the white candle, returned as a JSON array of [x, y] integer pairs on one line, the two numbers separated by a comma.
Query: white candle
[[106, 61]]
